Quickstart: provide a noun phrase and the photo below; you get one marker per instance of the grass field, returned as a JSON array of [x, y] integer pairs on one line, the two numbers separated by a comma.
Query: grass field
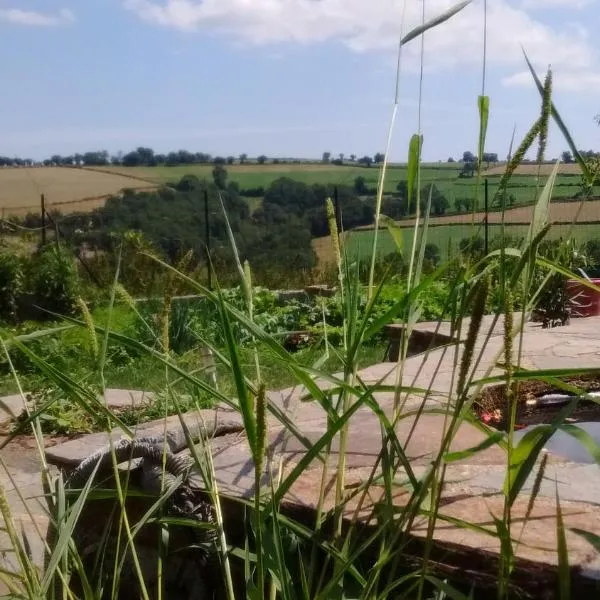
[[446, 232], [66, 189], [252, 176], [74, 189], [446, 237]]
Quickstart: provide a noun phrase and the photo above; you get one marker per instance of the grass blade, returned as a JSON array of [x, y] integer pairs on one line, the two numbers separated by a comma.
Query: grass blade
[[564, 575], [421, 29]]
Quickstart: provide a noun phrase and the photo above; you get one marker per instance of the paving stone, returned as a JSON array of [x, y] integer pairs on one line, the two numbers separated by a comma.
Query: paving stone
[[10, 408], [205, 423], [473, 487]]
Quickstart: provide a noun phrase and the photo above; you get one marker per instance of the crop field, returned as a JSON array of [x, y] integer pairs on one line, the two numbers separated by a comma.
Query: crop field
[[66, 189], [446, 237], [253, 175], [79, 189], [446, 232], [445, 176]]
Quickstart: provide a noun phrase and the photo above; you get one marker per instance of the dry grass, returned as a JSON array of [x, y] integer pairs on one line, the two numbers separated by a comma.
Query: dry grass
[[67, 189]]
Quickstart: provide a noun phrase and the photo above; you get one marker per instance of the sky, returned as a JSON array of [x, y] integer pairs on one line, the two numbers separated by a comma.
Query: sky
[[289, 78]]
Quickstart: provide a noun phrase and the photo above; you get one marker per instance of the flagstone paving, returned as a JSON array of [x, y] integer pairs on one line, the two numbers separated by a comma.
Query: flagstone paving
[[473, 485]]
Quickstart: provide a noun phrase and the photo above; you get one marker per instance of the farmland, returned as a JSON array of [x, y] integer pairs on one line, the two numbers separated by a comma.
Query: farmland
[[79, 189], [447, 232], [446, 237], [66, 189]]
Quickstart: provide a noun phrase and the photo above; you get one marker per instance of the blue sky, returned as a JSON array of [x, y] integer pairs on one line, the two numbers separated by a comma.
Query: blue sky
[[285, 77]]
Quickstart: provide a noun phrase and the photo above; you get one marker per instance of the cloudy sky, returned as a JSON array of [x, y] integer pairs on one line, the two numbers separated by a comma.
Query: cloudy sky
[[286, 77]]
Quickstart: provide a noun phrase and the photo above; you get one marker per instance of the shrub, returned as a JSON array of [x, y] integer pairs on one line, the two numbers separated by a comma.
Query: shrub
[[11, 284], [52, 280]]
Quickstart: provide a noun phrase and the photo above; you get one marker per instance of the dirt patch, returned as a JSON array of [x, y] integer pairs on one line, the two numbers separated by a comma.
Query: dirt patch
[[538, 402]]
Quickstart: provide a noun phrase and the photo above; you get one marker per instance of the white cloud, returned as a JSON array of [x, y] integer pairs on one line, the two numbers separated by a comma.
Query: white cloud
[[375, 25], [32, 18], [562, 80], [572, 4]]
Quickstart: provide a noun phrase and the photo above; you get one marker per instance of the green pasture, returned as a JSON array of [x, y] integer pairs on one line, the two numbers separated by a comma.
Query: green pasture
[[447, 237]]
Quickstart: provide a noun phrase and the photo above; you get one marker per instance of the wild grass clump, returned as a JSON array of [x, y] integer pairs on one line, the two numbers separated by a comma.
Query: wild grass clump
[[357, 540]]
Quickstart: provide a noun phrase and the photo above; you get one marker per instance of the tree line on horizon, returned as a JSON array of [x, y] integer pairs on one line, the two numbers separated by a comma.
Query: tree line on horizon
[[147, 157]]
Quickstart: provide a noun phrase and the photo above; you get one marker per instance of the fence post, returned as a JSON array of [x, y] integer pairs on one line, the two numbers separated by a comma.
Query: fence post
[[207, 239], [43, 211], [486, 243]]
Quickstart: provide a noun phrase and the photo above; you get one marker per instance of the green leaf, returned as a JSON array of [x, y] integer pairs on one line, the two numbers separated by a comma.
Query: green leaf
[[446, 588], [483, 104], [540, 212], [491, 440], [564, 575], [525, 454], [421, 29], [588, 536], [584, 438], [414, 157], [395, 232]]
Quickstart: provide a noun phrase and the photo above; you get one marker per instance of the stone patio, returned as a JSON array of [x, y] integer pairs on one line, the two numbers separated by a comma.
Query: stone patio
[[473, 486]]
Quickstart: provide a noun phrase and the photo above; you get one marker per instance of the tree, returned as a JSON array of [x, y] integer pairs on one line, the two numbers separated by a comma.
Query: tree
[[432, 254], [219, 174], [439, 203], [243, 158], [468, 169], [567, 157], [360, 186], [261, 160], [341, 156], [230, 160], [326, 157], [468, 157], [490, 157], [352, 157], [450, 159], [472, 247], [367, 161], [219, 160], [378, 158]]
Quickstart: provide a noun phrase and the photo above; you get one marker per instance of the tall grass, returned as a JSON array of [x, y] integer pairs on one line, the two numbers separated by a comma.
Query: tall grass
[[331, 553]]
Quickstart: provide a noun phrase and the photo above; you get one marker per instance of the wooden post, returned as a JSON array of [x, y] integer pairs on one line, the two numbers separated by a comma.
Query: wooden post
[[207, 239], [43, 211], [486, 244]]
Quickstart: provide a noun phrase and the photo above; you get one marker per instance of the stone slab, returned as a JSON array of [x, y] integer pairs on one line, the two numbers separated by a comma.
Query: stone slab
[[120, 399], [203, 423], [10, 408]]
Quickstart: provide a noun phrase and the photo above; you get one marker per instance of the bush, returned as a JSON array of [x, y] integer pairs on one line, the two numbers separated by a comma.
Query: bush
[[11, 284], [52, 280]]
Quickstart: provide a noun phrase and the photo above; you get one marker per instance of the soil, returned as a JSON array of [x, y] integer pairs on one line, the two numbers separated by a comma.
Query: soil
[[492, 406]]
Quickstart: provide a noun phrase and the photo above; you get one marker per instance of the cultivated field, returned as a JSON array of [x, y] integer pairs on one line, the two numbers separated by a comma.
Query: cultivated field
[[253, 175], [545, 169], [447, 232], [79, 189], [66, 189]]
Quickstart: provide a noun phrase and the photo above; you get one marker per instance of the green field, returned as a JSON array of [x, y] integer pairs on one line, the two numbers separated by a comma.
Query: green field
[[253, 176], [444, 175], [80, 189], [447, 238]]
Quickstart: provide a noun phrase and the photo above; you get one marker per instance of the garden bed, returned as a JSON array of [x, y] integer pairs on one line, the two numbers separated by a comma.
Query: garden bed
[[539, 402]]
